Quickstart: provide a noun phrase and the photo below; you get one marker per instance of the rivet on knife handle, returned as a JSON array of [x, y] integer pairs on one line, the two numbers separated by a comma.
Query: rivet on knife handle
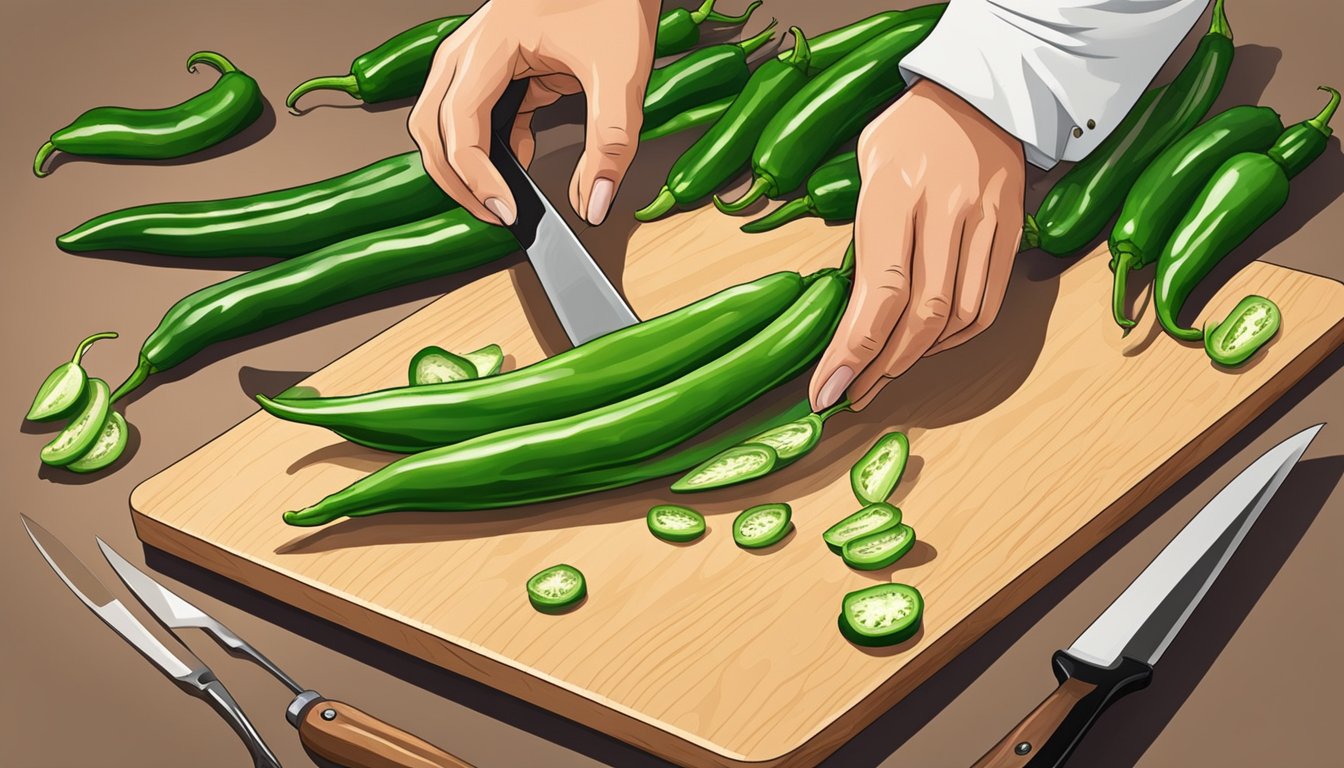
[[347, 736], [1046, 737]]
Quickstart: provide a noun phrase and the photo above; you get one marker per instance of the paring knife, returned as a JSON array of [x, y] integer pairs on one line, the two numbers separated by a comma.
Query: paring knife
[[334, 730], [581, 295], [191, 674], [1115, 655]]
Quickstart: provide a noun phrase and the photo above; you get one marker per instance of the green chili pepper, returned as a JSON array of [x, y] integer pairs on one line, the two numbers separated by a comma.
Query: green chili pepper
[[1078, 206], [705, 113], [885, 614], [832, 194], [83, 430], [433, 247], [830, 47], [280, 224], [829, 110], [1250, 325], [701, 77], [1241, 195], [600, 448], [602, 371], [64, 387], [232, 104], [398, 68], [726, 147], [1166, 188]]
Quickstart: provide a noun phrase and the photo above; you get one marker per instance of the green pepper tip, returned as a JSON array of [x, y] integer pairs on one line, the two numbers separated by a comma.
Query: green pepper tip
[[42, 155], [660, 205], [213, 59], [753, 193], [1125, 259], [715, 16], [345, 83], [790, 211]]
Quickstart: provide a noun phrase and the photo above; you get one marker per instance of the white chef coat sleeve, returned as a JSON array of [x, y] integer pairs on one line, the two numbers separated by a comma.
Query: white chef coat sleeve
[[1057, 74]]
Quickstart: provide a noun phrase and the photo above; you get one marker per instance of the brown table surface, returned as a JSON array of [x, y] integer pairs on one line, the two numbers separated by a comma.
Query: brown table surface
[[1248, 682]]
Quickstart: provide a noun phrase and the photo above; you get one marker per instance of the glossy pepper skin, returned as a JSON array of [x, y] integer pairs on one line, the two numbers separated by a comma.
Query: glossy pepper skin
[[832, 194], [1165, 189], [726, 147], [440, 245], [1078, 207], [232, 104], [602, 371], [700, 77], [829, 110], [279, 224], [559, 458], [398, 68], [830, 47], [1240, 196]]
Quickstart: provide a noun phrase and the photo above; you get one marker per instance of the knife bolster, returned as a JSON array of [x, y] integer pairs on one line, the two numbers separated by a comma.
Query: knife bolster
[[1107, 685]]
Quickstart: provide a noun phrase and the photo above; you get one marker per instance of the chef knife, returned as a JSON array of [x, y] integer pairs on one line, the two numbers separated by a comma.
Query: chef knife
[[191, 674], [332, 729], [1116, 654], [581, 295]]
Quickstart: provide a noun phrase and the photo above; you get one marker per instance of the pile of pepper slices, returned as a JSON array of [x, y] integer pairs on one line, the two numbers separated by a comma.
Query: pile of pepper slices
[[1186, 193]]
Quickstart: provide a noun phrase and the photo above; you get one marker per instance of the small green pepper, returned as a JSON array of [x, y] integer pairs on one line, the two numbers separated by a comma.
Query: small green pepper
[[1251, 324], [832, 194], [63, 387]]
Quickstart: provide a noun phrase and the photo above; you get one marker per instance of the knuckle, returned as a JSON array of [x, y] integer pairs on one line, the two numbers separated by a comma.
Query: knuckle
[[616, 141], [934, 311]]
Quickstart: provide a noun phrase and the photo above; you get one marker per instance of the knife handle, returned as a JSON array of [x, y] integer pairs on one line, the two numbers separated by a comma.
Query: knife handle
[[1046, 737], [353, 738]]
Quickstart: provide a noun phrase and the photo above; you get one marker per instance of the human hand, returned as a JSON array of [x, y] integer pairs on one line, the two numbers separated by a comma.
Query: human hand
[[937, 229], [602, 47]]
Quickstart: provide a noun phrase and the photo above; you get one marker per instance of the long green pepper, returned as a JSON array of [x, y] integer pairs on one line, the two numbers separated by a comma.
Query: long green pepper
[[1241, 195], [440, 245], [398, 67], [603, 447], [1078, 207], [726, 147], [700, 77]]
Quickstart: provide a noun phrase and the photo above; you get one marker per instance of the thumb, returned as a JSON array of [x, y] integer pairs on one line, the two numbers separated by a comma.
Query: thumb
[[615, 116]]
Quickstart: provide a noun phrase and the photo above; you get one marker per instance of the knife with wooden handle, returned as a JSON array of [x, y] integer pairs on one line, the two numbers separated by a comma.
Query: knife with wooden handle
[[331, 729], [1116, 654]]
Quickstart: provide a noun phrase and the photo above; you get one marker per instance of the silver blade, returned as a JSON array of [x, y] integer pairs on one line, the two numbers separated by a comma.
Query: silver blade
[[175, 612], [1141, 623], [182, 665]]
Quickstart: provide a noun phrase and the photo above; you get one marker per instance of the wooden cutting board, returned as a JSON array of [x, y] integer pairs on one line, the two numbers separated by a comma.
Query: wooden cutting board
[[1029, 445]]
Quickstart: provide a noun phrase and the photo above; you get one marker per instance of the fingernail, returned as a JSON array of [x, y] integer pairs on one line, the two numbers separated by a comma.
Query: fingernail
[[835, 387], [600, 200], [500, 209]]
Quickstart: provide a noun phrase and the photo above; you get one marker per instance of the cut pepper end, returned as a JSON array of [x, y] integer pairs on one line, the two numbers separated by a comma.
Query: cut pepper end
[[753, 193], [344, 83], [719, 18], [42, 155], [660, 206], [215, 60]]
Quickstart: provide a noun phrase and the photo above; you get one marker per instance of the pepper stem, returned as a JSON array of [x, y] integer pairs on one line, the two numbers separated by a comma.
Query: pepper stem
[[834, 409], [42, 155], [660, 205], [137, 377], [802, 51], [213, 59], [346, 83], [847, 263], [717, 17], [699, 15], [753, 44], [794, 209], [1321, 122], [1031, 234], [754, 193], [1124, 264], [85, 344], [1219, 25]]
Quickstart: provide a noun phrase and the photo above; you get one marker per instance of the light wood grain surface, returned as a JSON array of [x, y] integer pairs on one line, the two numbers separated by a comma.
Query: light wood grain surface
[[1029, 445]]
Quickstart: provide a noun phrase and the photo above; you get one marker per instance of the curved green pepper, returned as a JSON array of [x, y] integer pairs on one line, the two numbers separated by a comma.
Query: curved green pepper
[[830, 47], [1166, 188], [701, 77], [600, 448], [1240, 196], [232, 104], [1079, 205]]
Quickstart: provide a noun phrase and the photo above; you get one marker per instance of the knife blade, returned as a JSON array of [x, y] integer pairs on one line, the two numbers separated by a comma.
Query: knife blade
[[337, 731], [1115, 655], [584, 300], [191, 674]]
